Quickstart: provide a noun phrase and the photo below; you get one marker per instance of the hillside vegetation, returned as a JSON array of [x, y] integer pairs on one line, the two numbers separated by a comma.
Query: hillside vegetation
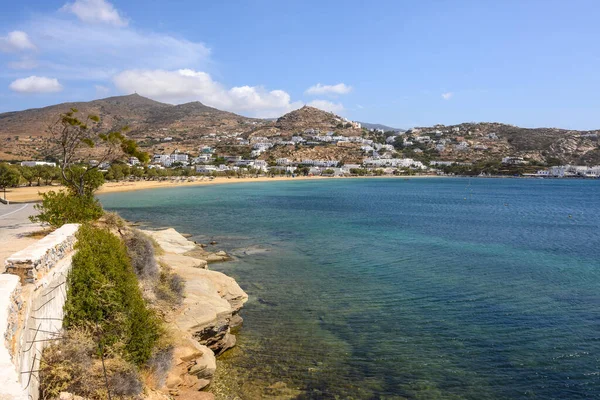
[[164, 128]]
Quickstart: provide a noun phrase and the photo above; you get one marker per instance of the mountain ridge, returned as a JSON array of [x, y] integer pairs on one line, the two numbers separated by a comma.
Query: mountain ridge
[[190, 125]]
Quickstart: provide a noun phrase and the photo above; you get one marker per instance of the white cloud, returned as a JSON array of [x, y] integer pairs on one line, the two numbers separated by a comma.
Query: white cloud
[[36, 84], [70, 49], [327, 105], [95, 11], [101, 90], [447, 95], [24, 63], [16, 41], [184, 85], [318, 89]]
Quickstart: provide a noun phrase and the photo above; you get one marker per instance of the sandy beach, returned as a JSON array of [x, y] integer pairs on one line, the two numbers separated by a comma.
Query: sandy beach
[[31, 193]]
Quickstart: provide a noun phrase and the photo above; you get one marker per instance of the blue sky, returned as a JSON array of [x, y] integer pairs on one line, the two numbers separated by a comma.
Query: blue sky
[[402, 63]]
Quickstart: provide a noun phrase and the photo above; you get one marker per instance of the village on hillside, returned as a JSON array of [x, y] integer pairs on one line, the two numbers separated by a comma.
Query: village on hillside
[[195, 139]]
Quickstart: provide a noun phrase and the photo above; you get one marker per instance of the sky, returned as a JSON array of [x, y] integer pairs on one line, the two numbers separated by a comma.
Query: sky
[[530, 63]]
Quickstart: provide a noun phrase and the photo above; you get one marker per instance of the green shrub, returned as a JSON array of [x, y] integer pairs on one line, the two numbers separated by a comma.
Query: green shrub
[[59, 208], [103, 295]]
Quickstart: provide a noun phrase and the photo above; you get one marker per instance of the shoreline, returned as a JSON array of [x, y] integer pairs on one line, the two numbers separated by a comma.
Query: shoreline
[[29, 194]]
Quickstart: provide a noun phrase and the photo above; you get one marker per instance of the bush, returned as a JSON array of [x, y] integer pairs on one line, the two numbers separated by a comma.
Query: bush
[[170, 286], [59, 208], [64, 366], [72, 366], [141, 251], [160, 364], [104, 297], [113, 220]]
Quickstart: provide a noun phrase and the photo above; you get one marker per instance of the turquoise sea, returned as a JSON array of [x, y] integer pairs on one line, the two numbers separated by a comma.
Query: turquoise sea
[[393, 288]]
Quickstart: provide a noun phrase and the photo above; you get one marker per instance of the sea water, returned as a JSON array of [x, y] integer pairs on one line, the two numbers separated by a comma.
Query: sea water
[[392, 288]]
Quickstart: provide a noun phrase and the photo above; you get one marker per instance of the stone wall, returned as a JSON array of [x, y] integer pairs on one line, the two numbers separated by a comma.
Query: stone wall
[[35, 261], [31, 308], [10, 293]]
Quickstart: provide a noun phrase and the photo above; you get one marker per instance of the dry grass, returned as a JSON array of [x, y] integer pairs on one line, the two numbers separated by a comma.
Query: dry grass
[[73, 365], [38, 234], [141, 250]]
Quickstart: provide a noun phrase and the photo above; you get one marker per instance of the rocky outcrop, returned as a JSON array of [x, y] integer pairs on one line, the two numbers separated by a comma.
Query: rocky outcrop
[[173, 242], [209, 312], [181, 261]]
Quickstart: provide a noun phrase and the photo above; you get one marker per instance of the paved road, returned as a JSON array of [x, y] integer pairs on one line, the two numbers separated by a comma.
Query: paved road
[[14, 214], [14, 225]]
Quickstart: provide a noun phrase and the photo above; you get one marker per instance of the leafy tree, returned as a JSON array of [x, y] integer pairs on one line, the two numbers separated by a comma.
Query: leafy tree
[[115, 173], [59, 208], [9, 177], [151, 173], [49, 174], [302, 170], [28, 173], [78, 139], [137, 172]]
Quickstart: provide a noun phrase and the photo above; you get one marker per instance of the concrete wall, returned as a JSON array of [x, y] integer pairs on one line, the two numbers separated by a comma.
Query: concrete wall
[[31, 309]]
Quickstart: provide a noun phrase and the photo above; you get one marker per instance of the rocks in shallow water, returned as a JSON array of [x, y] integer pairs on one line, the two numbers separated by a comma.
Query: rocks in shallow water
[[266, 302], [282, 391], [213, 242], [199, 252]]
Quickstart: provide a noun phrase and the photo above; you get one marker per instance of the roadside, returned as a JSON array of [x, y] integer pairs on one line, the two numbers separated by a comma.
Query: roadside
[[14, 229]]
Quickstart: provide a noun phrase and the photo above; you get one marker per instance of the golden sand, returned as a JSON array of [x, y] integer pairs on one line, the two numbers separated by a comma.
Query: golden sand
[[31, 193]]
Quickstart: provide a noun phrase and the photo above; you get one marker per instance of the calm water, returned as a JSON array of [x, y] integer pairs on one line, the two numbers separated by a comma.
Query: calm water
[[390, 288]]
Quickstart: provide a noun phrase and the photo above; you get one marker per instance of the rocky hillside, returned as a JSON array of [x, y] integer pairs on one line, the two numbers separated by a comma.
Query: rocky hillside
[[160, 127], [24, 133], [313, 118], [496, 140]]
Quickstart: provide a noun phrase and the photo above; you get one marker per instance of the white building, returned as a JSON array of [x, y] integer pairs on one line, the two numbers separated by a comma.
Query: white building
[[36, 163], [202, 158], [205, 169], [260, 164], [513, 161], [394, 162], [162, 159], [177, 157], [133, 161]]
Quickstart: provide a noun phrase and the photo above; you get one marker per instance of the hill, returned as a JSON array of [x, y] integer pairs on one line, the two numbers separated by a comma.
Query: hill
[[23, 133], [312, 118], [386, 128], [160, 127], [487, 140]]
